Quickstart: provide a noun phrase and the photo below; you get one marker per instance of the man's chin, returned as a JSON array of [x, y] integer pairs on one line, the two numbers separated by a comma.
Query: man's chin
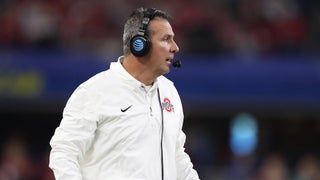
[[165, 72]]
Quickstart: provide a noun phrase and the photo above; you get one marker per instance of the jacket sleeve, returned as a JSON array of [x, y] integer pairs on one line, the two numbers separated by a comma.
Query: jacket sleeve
[[185, 170], [73, 137], [184, 165]]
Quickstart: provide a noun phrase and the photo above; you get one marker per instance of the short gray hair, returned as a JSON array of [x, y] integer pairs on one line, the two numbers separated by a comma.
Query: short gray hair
[[134, 23]]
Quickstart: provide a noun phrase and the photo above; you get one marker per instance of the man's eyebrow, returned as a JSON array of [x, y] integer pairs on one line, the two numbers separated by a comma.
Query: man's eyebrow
[[168, 35]]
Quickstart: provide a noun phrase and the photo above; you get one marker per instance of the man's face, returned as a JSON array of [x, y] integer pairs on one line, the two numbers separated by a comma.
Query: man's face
[[163, 46]]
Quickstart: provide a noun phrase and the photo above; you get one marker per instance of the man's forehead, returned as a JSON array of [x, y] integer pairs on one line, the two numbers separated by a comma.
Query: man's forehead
[[159, 25]]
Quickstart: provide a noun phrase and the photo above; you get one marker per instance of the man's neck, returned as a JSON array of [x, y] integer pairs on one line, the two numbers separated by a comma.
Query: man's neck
[[139, 70]]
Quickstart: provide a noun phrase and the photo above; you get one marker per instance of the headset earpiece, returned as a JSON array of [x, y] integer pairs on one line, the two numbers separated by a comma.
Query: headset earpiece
[[140, 44]]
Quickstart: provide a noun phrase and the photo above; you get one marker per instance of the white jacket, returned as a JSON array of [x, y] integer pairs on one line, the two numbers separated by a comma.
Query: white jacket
[[111, 130]]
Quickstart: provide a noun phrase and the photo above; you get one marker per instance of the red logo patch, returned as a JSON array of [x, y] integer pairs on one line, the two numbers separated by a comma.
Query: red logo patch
[[167, 105]]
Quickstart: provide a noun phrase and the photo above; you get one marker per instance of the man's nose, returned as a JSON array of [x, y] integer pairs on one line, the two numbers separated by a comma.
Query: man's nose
[[175, 47]]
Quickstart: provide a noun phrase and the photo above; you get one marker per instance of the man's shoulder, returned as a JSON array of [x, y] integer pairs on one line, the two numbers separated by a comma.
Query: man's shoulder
[[97, 80], [164, 80]]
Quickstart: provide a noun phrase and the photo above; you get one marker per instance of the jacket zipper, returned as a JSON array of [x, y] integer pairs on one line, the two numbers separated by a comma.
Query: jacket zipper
[[162, 129]]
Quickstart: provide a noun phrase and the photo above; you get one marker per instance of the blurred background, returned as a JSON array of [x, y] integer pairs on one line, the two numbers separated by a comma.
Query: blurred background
[[249, 82]]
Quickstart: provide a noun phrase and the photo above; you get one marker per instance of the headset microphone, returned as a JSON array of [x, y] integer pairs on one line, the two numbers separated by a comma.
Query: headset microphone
[[176, 64]]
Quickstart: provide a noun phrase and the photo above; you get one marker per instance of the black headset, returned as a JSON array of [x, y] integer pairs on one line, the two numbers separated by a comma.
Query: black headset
[[140, 44]]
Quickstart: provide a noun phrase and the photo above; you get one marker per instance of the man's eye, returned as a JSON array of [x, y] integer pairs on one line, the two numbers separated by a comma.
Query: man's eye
[[166, 38]]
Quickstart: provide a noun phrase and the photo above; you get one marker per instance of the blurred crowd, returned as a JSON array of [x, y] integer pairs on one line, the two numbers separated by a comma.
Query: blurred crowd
[[212, 27], [19, 162], [201, 26]]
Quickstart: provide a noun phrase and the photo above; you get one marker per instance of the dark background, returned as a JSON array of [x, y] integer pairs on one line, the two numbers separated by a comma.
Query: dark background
[[253, 57]]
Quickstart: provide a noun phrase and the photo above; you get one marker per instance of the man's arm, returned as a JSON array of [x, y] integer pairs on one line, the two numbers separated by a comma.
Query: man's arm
[[185, 169], [73, 137]]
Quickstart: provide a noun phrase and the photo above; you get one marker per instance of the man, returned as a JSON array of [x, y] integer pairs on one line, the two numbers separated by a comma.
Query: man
[[126, 123]]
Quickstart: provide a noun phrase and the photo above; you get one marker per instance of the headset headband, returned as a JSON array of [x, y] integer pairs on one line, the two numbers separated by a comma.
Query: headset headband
[[149, 14], [140, 44]]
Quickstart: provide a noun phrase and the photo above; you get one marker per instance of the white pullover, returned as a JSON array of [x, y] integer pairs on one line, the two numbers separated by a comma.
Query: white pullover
[[111, 130]]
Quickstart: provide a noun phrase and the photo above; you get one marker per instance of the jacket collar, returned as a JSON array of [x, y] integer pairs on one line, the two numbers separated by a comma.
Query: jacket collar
[[117, 66]]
